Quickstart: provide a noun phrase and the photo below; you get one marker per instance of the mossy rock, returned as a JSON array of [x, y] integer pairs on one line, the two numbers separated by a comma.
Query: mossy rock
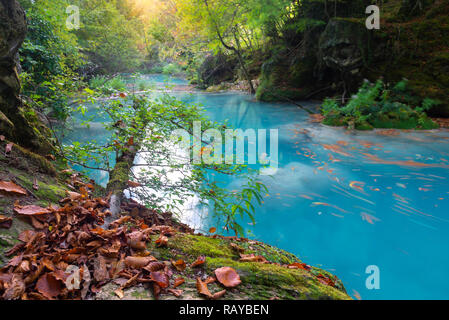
[[259, 280]]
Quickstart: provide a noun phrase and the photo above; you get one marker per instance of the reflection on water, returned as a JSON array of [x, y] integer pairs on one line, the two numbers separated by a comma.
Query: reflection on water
[[346, 200]]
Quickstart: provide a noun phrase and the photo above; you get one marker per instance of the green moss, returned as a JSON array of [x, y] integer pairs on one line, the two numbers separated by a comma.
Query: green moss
[[50, 190], [198, 245], [32, 158], [286, 283], [119, 176], [259, 280]]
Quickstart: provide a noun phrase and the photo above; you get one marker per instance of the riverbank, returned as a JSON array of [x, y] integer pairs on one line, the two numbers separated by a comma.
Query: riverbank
[[43, 195]]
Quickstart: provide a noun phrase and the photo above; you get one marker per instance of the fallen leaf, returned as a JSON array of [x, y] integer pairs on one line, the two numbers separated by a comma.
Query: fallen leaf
[[176, 292], [74, 195], [162, 241], [15, 288], [325, 280], [100, 270], [119, 292], [180, 264], [202, 288], [49, 286], [228, 277], [154, 266], [11, 187], [298, 265], [5, 222], [236, 247], [178, 282], [219, 294], [210, 280], [160, 278], [199, 261], [8, 148], [31, 210], [252, 258], [137, 262]]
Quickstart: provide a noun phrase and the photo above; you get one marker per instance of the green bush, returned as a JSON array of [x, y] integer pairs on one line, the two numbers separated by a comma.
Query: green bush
[[171, 69], [378, 106], [102, 84]]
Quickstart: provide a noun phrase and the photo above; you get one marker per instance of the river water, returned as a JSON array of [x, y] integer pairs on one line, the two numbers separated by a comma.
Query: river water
[[341, 200]]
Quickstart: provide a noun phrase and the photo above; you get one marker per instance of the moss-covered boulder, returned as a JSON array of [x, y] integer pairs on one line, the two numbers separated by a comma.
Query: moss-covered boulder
[[259, 280]]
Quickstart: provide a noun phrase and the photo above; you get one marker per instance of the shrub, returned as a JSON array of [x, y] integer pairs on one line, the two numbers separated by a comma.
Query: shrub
[[102, 84], [375, 105], [171, 69]]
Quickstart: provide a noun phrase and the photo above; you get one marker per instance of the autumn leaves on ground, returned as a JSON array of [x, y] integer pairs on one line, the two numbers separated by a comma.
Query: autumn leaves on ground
[[66, 252]]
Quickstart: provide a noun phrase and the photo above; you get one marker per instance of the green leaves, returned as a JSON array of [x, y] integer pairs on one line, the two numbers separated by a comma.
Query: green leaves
[[168, 181]]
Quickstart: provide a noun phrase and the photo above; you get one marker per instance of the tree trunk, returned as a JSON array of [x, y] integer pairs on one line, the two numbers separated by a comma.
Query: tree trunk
[[232, 48], [14, 125]]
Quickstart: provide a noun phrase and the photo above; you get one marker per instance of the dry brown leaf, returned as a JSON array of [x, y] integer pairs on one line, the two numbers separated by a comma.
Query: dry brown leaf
[[252, 258], [236, 247], [154, 266], [138, 262], [74, 195], [162, 241], [219, 294], [100, 270], [228, 277], [297, 265], [202, 288], [31, 210], [11, 187], [199, 261], [210, 280], [5, 222], [160, 278], [119, 292], [15, 288], [180, 264], [178, 282], [49, 286], [176, 292], [26, 235]]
